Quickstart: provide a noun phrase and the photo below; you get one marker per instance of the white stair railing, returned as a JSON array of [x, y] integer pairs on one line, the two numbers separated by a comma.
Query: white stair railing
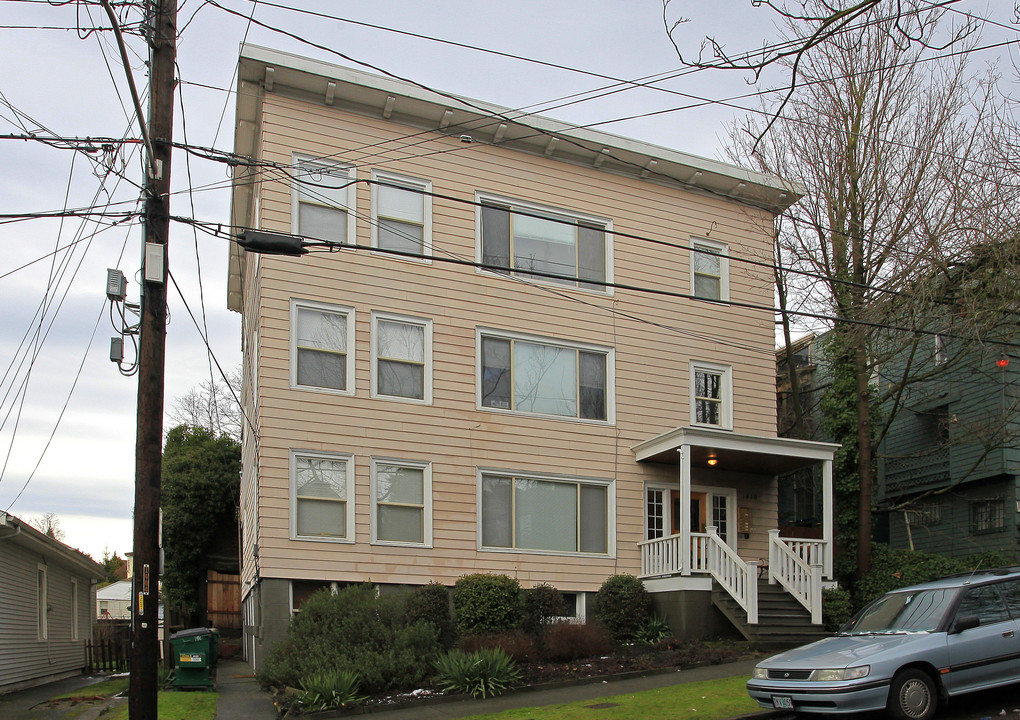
[[801, 579], [738, 578]]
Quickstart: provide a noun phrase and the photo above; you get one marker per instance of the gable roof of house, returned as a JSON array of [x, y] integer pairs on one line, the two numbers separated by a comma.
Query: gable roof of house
[[120, 590], [264, 70], [17, 531]]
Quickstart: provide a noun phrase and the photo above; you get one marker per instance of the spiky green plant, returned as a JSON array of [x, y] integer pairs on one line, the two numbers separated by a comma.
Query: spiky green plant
[[483, 672], [329, 690]]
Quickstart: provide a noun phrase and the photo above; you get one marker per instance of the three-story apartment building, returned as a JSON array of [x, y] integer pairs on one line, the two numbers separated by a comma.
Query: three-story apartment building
[[523, 348]]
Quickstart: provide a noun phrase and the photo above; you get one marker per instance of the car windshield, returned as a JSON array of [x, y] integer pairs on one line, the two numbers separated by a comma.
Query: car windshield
[[919, 611]]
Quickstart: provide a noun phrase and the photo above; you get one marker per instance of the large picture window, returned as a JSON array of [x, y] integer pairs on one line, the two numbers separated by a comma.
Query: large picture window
[[528, 239], [322, 497], [544, 514], [711, 395], [323, 200], [402, 502], [709, 270], [401, 213], [321, 344], [401, 357], [544, 378]]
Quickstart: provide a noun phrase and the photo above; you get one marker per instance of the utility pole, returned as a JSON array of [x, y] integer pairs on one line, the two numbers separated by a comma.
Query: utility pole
[[162, 23]]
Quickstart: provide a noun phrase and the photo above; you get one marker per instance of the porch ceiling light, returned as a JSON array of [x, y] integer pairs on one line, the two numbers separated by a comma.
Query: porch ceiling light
[[713, 460]]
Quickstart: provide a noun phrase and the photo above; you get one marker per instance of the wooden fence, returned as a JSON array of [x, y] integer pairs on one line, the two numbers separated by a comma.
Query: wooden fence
[[223, 600], [106, 656]]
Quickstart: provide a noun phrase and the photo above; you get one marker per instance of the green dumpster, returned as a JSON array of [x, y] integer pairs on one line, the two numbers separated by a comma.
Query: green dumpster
[[195, 653]]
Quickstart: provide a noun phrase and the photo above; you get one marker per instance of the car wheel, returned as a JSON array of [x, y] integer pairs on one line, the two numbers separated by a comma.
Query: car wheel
[[913, 695]]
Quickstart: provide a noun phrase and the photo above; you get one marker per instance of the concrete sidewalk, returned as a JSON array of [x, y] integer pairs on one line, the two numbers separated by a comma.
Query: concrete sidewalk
[[241, 698]]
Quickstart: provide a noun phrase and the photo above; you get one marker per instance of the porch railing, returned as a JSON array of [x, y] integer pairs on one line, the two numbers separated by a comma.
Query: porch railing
[[704, 553], [810, 551], [737, 577], [802, 579], [665, 555]]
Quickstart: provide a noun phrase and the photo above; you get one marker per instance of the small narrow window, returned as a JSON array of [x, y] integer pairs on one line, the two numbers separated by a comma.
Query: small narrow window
[[402, 357], [324, 196], [322, 500], [709, 270], [320, 343], [401, 214], [74, 608], [42, 601], [711, 395], [402, 499]]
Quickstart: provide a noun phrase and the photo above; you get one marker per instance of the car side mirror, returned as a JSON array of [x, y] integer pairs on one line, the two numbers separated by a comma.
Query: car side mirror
[[966, 622]]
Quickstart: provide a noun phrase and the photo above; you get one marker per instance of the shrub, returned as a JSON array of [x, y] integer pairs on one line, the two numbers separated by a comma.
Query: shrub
[[837, 608], [431, 603], [891, 569], [353, 631], [329, 690], [486, 603], [540, 605], [653, 631], [565, 641], [485, 672], [623, 605], [513, 642]]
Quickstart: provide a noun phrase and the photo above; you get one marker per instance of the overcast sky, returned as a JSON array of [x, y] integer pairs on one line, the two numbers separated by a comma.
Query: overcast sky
[[67, 416]]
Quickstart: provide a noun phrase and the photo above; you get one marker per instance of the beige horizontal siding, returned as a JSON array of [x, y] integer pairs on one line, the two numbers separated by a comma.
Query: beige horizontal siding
[[655, 337]]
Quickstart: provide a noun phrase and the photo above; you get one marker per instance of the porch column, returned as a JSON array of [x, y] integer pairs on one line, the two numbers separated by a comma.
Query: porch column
[[685, 508], [827, 511]]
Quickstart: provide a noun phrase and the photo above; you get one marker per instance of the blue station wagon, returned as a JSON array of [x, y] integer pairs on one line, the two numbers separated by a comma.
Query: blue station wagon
[[905, 652]]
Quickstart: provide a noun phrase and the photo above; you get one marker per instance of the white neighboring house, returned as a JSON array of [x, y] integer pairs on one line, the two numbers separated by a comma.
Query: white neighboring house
[[47, 606], [113, 602]]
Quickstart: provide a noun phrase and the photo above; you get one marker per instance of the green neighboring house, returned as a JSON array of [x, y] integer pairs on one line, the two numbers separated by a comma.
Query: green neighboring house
[[949, 466]]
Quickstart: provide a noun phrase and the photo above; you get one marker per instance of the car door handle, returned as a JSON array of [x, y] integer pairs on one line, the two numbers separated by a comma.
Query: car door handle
[[1008, 633]]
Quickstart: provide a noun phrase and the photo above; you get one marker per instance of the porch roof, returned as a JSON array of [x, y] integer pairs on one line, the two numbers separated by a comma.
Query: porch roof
[[735, 452]]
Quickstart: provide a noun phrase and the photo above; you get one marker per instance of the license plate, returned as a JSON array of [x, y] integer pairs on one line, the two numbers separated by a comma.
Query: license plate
[[783, 702]]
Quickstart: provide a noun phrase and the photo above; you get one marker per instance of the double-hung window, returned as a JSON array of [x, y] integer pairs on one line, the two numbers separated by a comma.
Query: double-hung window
[[321, 346], [322, 496], [532, 375], [709, 270], [401, 502], [74, 608], [565, 248], [987, 516], [401, 213], [401, 357], [323, 200], [545, 514], [712, 395]]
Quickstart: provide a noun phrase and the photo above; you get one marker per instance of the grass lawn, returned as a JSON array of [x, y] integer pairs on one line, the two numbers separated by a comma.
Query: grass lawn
[[173, 705], [706, 700]]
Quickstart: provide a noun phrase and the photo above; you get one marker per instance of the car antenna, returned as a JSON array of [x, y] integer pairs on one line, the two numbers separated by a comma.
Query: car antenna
[[974, 571]]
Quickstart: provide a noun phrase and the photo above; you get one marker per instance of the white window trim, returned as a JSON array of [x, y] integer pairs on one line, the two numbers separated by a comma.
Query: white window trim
[[723, 251], [410, 183], [610, 486], [349, 521], [296, 304], [42, 600], [606, 223], [425, 323], [609, 352], [710, 490], [426, 468], [726, 414], [74, 609], [352, 193]]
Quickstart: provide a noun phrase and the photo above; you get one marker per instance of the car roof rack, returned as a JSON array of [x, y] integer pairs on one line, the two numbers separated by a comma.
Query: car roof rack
[[999, 571]]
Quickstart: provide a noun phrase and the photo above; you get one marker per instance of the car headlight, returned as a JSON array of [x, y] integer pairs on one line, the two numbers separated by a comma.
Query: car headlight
[[836, 674], [759, 673]]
